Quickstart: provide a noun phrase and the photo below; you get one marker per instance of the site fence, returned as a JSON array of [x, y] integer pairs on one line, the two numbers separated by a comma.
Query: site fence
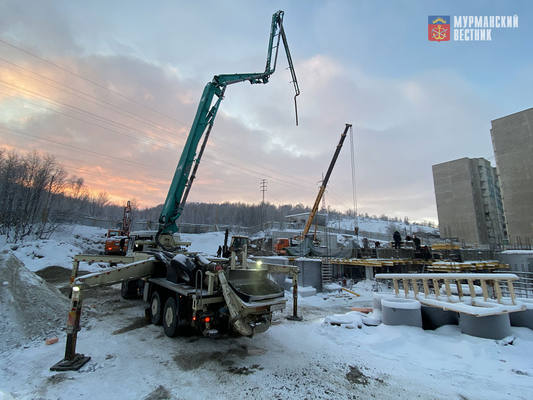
[[523, 287]]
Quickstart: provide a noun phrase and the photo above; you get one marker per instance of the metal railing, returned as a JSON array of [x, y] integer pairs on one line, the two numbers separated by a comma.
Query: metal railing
[[523, 287]]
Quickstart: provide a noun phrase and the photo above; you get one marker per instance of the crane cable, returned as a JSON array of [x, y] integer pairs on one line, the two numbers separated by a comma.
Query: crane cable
[[354, 193]]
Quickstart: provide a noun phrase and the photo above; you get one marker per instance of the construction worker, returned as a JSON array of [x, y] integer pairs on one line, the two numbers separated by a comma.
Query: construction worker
[[416, 242], [397, 239], [122, 243]]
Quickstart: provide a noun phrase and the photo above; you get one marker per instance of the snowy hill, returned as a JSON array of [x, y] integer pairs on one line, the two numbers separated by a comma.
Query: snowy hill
[[373, 225]]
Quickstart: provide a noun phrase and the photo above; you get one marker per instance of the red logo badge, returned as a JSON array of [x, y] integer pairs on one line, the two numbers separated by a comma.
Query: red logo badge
[[438, 28]]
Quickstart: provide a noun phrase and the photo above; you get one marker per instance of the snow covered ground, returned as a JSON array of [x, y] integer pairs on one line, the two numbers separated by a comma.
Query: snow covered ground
[[205, 243], [292, 360], [59, 250], [380, 226]]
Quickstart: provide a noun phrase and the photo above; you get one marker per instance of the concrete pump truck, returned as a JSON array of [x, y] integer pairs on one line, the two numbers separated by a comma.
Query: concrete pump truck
[[185, 290]]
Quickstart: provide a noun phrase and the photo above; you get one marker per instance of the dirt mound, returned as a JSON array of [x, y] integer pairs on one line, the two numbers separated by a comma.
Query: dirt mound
[[31, 308], [55, 274]]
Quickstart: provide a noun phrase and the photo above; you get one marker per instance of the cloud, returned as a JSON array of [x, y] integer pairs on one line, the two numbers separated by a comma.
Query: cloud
[[402, 125]]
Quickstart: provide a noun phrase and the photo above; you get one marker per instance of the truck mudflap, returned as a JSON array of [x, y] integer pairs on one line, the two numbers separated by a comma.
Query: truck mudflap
[[254, 316]]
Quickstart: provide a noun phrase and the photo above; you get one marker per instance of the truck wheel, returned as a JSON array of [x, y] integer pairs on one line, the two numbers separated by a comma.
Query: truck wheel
[[170, 318], [128, 290], [155, 308]]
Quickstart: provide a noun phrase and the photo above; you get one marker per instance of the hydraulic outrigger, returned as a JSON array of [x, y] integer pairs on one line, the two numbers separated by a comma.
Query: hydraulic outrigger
[[166, 274]]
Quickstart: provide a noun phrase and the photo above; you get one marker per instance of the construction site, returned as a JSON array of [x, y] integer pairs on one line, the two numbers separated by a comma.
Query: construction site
[[307, 307]]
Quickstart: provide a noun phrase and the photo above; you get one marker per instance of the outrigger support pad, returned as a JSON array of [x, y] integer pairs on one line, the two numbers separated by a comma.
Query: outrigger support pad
[[294, 316], [72, 360], [75, 364]]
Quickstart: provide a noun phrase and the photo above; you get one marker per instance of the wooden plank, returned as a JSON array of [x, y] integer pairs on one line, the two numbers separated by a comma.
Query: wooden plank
[[426, 286], [511, 290], [414, 284], [405, 286], [448, 290], [484, 289], [498, 290], [459, 287], [436, 288], [472, 288]]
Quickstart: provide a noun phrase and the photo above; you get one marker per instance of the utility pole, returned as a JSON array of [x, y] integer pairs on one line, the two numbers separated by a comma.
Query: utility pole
[[263, 189]]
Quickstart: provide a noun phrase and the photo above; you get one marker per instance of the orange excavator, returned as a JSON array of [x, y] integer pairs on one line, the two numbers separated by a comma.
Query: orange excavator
[[117, 240]]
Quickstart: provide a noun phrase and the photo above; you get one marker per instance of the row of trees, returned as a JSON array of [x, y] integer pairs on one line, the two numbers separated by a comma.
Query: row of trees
[[252, 214], [36, 194], [228, 213]]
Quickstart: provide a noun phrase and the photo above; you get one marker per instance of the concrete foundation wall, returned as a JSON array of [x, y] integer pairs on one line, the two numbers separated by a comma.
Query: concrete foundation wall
[[518, 260], [310, 273]]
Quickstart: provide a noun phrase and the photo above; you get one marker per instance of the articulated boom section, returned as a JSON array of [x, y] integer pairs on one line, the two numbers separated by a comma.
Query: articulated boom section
[[204, 119]]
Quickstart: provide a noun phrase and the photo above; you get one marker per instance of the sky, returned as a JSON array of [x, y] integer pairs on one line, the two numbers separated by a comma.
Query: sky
[[111, 89]]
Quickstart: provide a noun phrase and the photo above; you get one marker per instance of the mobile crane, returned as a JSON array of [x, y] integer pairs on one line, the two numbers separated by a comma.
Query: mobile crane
[[184, 290], [285, 245]]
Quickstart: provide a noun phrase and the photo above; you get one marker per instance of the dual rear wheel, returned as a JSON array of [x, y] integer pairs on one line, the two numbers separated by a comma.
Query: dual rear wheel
[[166, 314]]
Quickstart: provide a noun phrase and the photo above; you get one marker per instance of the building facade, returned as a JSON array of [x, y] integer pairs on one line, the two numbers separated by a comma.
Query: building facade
[[512, 139], [469, 204]]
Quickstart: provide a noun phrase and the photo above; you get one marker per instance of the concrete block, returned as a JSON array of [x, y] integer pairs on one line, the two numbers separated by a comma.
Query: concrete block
[[397, 311], [490, 327], [522, 318], [433, 317]]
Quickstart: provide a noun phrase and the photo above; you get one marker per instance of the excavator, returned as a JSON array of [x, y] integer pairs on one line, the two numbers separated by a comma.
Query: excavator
[[117, 239], [184, 290]]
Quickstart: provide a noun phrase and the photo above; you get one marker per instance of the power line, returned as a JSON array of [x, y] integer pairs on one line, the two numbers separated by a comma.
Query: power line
[[16, 132], [98, 117], [148, 140], [76, 109], [254, 172], [90, 81], [216, 162], [116, 92], [88, 95]]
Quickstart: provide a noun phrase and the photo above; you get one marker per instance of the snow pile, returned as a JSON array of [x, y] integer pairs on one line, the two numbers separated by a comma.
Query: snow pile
[[349, 320], [379, 226], [465, 288], [331, 287], [304, 291], [205, 243], [367, 285], [31, 308], [59, 250], [354, 319]]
